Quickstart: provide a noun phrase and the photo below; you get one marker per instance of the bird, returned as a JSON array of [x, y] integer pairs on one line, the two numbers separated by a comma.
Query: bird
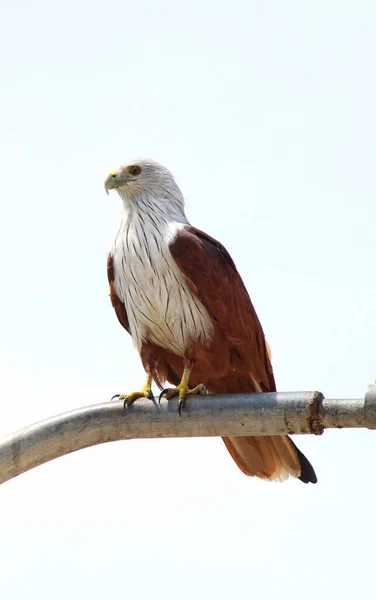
[[177, 292]]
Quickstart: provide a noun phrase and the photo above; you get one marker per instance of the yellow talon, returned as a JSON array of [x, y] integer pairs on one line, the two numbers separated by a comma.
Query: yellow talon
[[182, 390], [145, 392]]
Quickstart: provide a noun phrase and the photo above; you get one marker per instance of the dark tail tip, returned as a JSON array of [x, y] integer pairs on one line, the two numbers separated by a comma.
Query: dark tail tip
[[308, 474]]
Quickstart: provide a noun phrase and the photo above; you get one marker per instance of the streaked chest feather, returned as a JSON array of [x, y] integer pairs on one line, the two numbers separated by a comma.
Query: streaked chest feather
[[160, 306]]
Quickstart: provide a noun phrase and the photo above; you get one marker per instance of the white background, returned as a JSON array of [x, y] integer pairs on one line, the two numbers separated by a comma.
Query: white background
[[264, 111]]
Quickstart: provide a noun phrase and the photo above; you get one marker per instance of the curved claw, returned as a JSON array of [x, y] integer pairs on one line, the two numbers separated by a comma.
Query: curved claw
[[203, 389], [115, 396], [130, 398], [161, 395], [181, 404]]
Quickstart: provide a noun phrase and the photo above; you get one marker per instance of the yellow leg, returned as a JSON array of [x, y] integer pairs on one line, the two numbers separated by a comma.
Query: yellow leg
[[145, 392], [182, 390]]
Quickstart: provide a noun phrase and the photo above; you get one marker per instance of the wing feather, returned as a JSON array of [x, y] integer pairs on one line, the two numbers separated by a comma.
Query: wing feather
[[118, 305], [212, 275]]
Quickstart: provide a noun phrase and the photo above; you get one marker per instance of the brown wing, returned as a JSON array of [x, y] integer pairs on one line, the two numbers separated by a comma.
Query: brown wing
[[211, 274], [115, 300]]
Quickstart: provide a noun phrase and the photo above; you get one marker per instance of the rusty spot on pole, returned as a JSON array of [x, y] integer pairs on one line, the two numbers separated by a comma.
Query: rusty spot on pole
[[314, 410]]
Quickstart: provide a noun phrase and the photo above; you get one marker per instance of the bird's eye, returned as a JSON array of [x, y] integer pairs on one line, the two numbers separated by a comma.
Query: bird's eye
[[134, 170]]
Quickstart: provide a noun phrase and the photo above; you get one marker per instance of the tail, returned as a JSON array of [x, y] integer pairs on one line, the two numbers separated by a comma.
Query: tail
[[273, 458], [270, 457]]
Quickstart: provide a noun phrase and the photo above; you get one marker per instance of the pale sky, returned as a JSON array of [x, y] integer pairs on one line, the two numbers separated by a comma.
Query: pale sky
[[265, 113]]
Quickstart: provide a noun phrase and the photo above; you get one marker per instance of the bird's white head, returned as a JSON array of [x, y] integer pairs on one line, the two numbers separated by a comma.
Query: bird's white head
[[146, 182]]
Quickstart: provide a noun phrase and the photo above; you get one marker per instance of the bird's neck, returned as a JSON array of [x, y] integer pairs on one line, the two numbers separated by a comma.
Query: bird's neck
[[149, 222], [153, 211]]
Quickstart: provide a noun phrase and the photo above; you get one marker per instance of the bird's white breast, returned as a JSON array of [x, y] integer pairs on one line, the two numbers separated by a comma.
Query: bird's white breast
[[160, 306]]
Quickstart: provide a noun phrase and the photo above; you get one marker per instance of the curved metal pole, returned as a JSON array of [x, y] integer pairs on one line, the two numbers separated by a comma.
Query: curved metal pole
[[217, 415]]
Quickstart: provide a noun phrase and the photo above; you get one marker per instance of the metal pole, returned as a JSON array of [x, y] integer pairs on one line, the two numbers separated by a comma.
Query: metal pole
[[216, 415]]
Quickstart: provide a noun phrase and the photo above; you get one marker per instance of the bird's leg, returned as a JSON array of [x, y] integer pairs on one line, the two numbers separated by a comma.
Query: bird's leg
[[182, 390], [145, 392]]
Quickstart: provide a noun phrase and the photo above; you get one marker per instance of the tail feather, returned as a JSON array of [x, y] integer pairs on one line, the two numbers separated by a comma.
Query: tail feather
[[273, 458], [246, 454], [286, 454], [307, 474]]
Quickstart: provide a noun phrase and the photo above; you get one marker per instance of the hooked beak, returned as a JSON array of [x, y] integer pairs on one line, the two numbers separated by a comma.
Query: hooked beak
[[111, 182]]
